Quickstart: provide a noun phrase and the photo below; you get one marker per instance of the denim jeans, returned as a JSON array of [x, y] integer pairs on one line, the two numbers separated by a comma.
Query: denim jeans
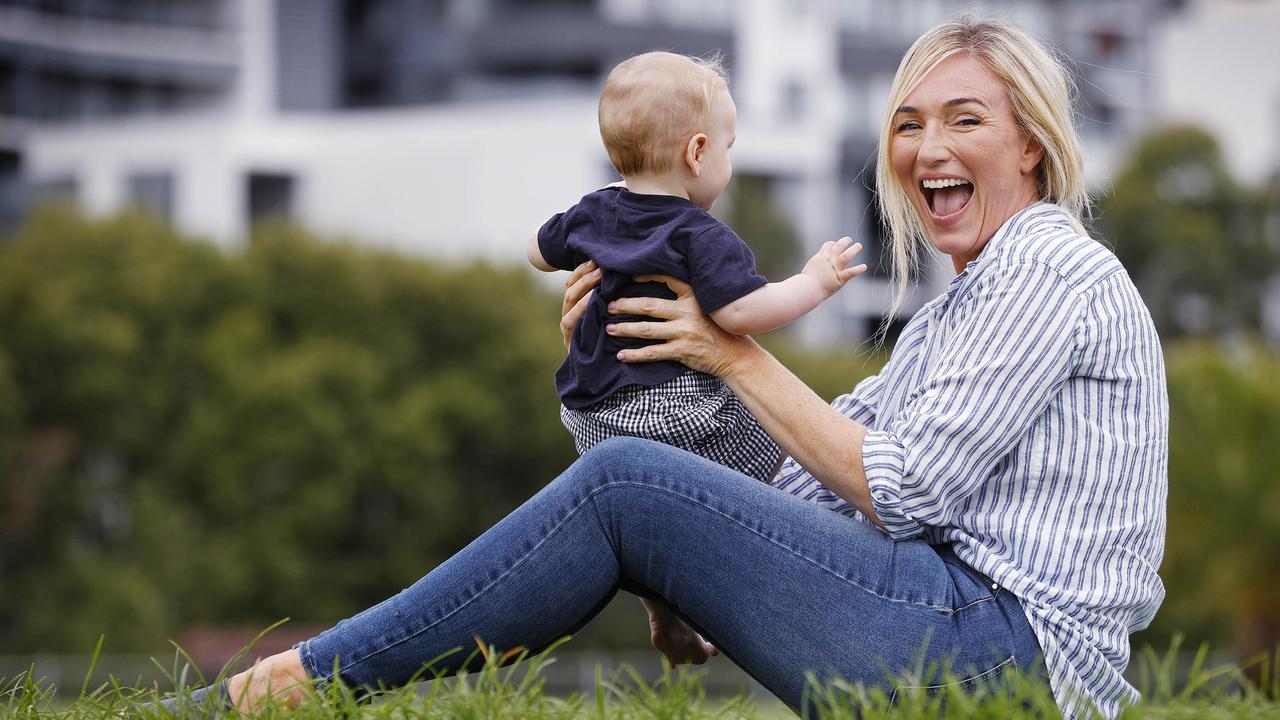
[[780, 585]]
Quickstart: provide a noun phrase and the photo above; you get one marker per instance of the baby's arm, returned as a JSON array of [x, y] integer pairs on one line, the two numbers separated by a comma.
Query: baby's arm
[[556, 240], [781, 303], [535, 255]]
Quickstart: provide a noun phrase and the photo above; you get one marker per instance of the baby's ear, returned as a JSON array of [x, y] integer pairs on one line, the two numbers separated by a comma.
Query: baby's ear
[[693, 153]]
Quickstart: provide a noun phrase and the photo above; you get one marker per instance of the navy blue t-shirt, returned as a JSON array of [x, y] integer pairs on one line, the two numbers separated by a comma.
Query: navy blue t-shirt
[[631, 234]]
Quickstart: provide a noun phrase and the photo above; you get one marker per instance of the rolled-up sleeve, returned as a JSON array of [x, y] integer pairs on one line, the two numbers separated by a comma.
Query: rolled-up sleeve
[[1007, 348]]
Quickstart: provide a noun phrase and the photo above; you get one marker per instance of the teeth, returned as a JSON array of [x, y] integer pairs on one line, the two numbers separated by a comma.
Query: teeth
[[945, 183]]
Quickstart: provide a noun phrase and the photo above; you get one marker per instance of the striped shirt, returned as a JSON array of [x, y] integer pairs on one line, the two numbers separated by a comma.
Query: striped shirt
[[1023, 418]]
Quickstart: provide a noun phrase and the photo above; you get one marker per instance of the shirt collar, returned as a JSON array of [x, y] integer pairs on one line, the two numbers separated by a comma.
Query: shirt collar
[[1010, 232]]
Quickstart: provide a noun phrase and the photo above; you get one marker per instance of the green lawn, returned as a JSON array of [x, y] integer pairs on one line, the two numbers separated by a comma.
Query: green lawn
[[517, 691]]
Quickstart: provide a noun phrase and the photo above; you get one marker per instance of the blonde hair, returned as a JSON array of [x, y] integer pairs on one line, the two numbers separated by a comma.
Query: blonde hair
[[1040, 94], [652, 103]]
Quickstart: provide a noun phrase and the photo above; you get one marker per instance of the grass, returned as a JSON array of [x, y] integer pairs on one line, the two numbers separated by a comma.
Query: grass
[[516, 690]]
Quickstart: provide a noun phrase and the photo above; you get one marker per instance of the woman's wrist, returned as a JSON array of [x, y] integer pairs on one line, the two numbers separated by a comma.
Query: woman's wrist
[[746, 361]]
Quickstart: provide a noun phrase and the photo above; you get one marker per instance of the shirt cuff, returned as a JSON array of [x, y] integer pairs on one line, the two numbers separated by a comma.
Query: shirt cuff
[[884, 460]]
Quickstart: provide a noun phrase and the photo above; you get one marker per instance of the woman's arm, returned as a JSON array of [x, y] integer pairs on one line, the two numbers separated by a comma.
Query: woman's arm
[[826, 443]]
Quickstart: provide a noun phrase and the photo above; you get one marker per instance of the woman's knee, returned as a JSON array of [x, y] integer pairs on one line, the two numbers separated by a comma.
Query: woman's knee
[[625, 455], [626, 462]]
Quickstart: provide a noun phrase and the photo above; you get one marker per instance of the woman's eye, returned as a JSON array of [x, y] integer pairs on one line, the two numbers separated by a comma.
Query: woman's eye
[[969, 121], [906, 126]]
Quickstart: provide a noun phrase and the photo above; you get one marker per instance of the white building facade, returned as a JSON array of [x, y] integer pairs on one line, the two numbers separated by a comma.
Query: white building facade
[[452, 128]]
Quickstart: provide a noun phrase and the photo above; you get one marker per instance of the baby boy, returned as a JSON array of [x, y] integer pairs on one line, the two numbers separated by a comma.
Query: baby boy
[[668, 122]]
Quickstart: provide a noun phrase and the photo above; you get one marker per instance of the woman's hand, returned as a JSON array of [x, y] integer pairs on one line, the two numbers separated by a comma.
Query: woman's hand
[[577, 293], [673, 637], [692, 339]]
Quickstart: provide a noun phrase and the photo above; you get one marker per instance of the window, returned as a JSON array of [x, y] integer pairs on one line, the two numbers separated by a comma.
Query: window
[[270, 195], [795, 98], [10, 190]]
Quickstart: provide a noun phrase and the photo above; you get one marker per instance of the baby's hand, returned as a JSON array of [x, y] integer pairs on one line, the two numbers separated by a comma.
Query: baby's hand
[[828, 265]]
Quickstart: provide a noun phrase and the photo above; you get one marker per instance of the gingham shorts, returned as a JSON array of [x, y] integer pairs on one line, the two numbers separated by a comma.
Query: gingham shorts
[[693, 411]]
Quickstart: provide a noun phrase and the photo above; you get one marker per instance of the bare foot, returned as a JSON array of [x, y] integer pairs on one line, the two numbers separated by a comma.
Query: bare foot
[[277, 679]]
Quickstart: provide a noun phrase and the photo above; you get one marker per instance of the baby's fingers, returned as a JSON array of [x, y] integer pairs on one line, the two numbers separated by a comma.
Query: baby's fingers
[[849, 252], [848, 274]]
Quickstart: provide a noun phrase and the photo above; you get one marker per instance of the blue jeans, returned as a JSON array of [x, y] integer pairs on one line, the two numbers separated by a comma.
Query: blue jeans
[[780, 585]]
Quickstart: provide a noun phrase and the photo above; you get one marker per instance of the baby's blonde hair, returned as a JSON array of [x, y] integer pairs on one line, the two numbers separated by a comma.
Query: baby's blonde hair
[[1040, 94], [652, 104]]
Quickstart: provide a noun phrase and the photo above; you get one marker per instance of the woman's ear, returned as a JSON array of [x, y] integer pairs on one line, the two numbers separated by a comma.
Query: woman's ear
[[693, 153], [1032, 153]]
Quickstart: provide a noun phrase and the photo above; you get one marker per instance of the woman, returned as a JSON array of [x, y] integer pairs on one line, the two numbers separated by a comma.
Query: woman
[[1009, 462]]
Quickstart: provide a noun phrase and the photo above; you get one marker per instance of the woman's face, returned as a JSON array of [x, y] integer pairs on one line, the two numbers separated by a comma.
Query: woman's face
[[961, 158]]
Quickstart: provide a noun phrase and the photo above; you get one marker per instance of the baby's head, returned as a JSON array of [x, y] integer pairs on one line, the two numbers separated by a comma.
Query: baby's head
[[668, 115]]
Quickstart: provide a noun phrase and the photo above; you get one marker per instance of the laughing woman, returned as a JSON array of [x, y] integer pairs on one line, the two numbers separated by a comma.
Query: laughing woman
[[1000, 485]]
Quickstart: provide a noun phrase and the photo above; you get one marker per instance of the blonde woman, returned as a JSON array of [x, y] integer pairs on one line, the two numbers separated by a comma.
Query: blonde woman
[[1006, 471]]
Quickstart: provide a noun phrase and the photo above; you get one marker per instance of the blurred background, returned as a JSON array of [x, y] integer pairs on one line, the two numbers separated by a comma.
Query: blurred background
[[269, 347]]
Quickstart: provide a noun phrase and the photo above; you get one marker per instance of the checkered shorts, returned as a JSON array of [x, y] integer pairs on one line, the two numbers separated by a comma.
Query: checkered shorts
[[693, 411]]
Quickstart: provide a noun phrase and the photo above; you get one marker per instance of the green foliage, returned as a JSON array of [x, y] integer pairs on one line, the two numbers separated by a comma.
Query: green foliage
[[1196, 243], [1201, 249], [829, 373], [190, 436], [1224, 503], [755, 216]]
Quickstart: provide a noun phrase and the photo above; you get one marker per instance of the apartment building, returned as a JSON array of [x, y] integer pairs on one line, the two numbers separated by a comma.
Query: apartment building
[[451, 128]]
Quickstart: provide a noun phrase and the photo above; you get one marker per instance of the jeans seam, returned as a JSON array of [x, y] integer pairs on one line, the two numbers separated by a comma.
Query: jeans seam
[[979, 601], [1011, 660], [592, 499], [309, 662]]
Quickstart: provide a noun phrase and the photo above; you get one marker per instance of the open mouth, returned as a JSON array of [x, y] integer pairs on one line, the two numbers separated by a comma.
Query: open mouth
[[946, 196]]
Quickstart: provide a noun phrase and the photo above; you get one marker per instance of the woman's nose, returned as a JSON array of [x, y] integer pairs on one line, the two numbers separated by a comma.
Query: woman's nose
[[934, 147]]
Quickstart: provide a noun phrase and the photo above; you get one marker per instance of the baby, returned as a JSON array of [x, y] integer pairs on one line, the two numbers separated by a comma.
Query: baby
[[668, 122]]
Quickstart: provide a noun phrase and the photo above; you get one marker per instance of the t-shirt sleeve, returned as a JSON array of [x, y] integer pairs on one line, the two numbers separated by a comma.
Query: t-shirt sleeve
[[552, 241], [721, 268]]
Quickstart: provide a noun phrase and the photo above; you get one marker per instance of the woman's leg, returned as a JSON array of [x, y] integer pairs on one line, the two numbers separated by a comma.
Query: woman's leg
[[780, 585]]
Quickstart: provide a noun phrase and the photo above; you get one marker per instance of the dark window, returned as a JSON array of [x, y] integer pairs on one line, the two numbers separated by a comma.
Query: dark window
[[10, 190], [892, 333], [860, 212], [270, 196], [876, 252]]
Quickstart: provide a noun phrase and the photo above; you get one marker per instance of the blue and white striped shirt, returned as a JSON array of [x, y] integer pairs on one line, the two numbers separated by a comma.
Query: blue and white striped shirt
[[1023, 418]]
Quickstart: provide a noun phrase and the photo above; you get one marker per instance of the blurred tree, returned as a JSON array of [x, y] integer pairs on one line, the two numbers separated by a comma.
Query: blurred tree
[[1223, 543], [753, 214], [1195, 242], [298, 430]]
